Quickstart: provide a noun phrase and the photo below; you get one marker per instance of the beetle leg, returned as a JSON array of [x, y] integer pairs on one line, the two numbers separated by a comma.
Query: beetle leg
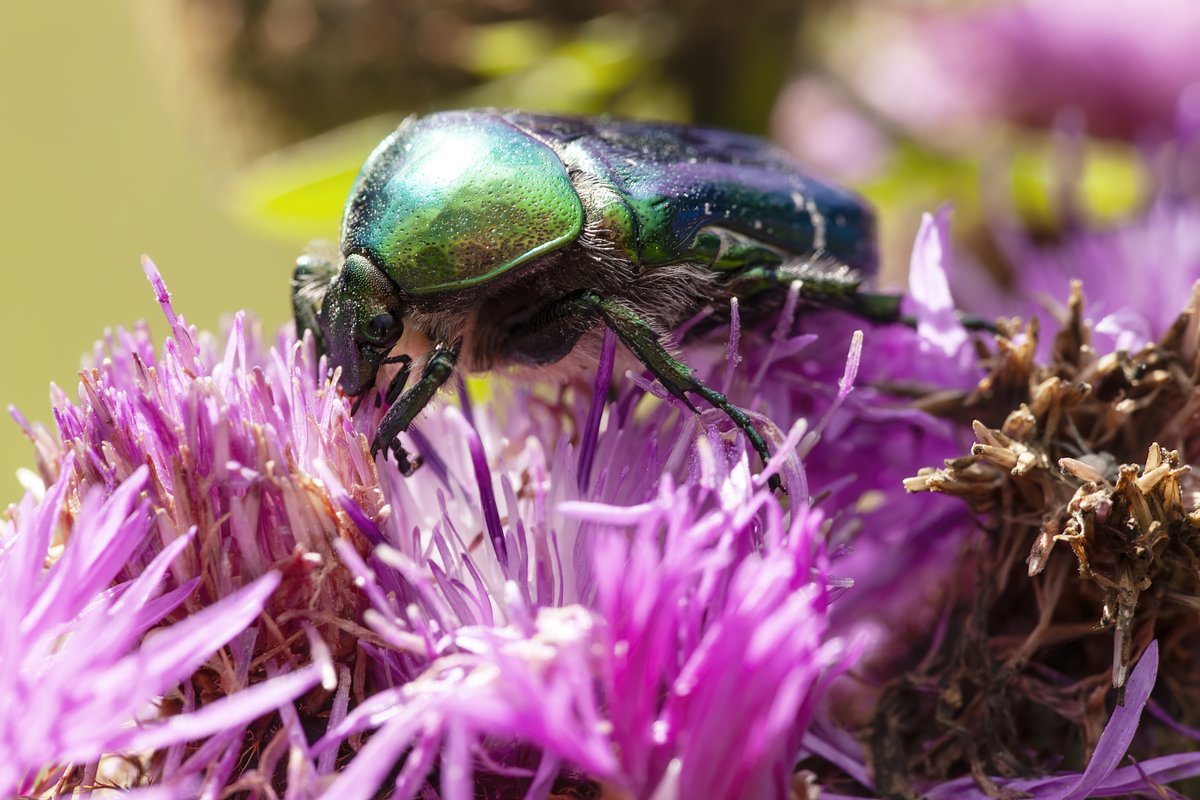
[[310, 280], [675, 376], [400, 380], [395, 386], [840, 289], [403, 410], [820, 286]]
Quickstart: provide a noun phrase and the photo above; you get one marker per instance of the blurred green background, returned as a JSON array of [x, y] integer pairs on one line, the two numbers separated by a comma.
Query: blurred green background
[[199, 131], [97, 173], [131, 128]]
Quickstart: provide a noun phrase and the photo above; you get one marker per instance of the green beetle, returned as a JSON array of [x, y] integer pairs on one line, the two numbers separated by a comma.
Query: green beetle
[[484, 240]]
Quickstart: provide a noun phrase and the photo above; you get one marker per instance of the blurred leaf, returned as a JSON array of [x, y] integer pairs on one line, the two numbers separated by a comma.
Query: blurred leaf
[[654, 99], [605, 59], [1032, 179], [915, 181], [299, 192], [1112, 184], [611, 50], [503, 48], [917, 176], [1113, 181]]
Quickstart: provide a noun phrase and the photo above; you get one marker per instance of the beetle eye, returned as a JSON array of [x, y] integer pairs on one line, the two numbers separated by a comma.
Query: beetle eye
[[383, 329]]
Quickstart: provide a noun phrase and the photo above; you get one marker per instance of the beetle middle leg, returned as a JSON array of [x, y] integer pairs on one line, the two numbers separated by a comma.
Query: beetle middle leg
[[569, 317], [403, 409]]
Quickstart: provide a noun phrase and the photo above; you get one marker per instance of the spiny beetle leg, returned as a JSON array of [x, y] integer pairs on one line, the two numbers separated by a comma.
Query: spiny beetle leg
[[821, 286], [403, 411], [838, 288], [969, 322], [675, 376]]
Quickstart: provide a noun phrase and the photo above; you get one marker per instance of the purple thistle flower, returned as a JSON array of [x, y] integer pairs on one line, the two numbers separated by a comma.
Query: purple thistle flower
[[1136, 275], [78, 680], [575, 594], [227, 444], [684, 654], [235, 437], [950, 73], [611, 614], [578, 639], [900, 552], [1123, 66]]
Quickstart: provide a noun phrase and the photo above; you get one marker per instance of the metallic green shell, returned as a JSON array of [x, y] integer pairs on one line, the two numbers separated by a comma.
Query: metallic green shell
[[453, 200]]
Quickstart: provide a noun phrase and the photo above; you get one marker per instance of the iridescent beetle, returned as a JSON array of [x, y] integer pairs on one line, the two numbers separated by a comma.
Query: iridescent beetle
[[503, 239]]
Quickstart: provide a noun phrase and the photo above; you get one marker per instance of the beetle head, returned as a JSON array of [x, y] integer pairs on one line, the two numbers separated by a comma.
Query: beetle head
[[361, 318]]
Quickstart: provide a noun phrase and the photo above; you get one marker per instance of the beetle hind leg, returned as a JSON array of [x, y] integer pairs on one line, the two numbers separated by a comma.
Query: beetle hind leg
[[832, 286], [823, 285]]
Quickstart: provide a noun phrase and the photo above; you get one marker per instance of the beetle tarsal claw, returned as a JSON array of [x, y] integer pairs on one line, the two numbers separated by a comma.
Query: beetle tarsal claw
[[406, 465]]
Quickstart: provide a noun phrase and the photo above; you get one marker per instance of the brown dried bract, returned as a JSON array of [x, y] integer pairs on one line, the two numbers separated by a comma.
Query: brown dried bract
[[1090, 451]]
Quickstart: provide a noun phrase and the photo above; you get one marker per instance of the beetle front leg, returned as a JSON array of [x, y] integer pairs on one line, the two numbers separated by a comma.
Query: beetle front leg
[[315, 270], [403, 411], [399, 380], [676, 377], [395, 386]]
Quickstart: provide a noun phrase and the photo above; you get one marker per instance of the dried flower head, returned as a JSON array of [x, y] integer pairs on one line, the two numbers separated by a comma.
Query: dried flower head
[[1089, 447]]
